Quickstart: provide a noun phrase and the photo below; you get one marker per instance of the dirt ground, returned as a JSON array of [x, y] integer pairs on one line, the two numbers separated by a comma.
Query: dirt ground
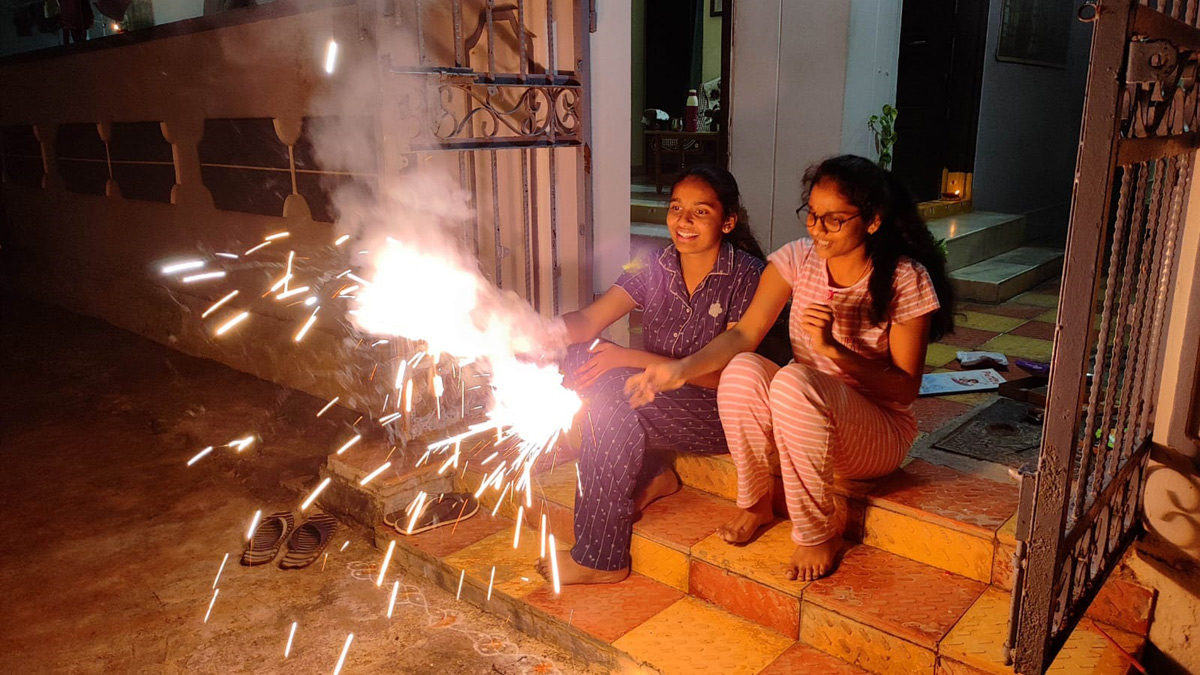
[[113, 542]]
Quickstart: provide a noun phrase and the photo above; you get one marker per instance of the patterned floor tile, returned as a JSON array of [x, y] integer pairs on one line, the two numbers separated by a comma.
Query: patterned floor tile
[[446, 540], [892, 594], [1008, 531], [560, 485], [606, 611], [938, 355], [1012, 309], [762, 560], [801, 658], [748, 599], [684, 518], [1002, 566], [942, 547], [1039, 299], [692, 636], [948, 666], [987, 321], [1050, 315], [967, 338], [714, 474], [862, 645], [1123, 604], [659, 562], [978, 641], [1021, 347], [935, 412], [1039, 330], [516, 574], [951, 497]]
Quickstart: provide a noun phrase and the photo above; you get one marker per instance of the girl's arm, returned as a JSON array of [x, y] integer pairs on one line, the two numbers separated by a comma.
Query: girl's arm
[[772, 294], [897, 379], [586, 324]]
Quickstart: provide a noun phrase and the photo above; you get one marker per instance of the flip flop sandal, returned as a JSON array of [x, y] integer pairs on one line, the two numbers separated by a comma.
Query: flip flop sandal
[[269, 535], [308, 541], [448, 509]]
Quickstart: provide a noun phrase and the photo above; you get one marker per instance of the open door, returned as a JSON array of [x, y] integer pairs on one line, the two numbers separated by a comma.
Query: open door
[[1082, 508]]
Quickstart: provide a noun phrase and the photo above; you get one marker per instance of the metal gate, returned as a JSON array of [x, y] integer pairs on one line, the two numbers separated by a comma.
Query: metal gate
[[1081, 510], [496, 94]]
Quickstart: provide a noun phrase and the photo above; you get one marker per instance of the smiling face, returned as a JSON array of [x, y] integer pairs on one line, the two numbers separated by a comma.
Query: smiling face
[[827, 208], [695, 219]]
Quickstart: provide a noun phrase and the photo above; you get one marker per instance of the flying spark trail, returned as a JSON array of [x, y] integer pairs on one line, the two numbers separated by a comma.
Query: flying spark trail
[[292, 293], [328, 406], [595, 343], [344, 545], [313, 497], [350, 443], [392, 601], [387, 559], [291, 635], [374, 474], [342, 658], [491, 580], [210, 604], [554, 565], [307, 324], [417, 511], [331, 57], [199, 455], [220, 569], [183, 266], [232, 322], [462, 575], [517, 527], [203, 277], [253, 524], [543, 553], [218, 303], [277, 235], [341, 240], [241, 443], [258, 248], [231, 256]]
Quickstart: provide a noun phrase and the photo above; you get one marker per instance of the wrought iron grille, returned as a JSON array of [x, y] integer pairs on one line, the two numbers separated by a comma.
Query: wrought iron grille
[[1081, 510], [496, 94]]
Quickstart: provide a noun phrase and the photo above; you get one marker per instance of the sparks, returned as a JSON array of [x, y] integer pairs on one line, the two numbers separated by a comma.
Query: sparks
[[417, 510], [392, 601], [313, 497], [408, 397], [554, 565], [374, 474], [307, 324], [203, 277], [349, 443], [388, 419], [400, 373], [231, 256], [232, 322], [291, 635], [210, 604], [387, 559], [217, 304], [342, 659], [241, 443], [220, 569], [281, 283], [491, 581], [331, 57], [200, 455], [462, 575], [341, 240], [344, 545], [277, 235], [310, 301], [517, 528], [253, 524], [183, 266], [257, 248], [595, 343], [328, 406], [543, 554], [287, 294]]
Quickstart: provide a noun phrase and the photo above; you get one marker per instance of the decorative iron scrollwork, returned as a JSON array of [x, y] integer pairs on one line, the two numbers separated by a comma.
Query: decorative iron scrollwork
[[1160, 97], [507, 114]]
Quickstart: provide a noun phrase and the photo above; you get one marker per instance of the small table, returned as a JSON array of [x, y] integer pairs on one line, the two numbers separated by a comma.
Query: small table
[[697, 145]]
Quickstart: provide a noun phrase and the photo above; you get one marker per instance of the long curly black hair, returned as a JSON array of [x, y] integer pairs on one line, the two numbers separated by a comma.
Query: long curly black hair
[[725, 185], [875, 191]]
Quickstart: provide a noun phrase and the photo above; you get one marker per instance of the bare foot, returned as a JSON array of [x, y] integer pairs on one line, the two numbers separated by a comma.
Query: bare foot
[[743, 526], [664, 484], [571, 572], [810, 563]]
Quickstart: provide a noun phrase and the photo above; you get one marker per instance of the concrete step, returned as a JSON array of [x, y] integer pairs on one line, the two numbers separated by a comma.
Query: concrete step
[[1008, 274], [648, 209], [978, 235]]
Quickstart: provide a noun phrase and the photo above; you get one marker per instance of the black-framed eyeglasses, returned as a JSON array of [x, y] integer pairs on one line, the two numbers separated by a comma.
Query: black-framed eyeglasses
[[831, 222]]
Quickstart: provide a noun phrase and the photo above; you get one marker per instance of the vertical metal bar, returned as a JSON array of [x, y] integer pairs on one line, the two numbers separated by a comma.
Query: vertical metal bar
[[1190, 15], [534, 234], [1089, 209], [1098, 369], [497, 243], [555, 271], [525, 220], [584, 25], [551, 37], [420, 33], [466, 178], [458, 33], [521, 37], [491, 28]]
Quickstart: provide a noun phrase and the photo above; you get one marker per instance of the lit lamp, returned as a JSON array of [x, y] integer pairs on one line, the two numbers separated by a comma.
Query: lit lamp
[[956, 185]]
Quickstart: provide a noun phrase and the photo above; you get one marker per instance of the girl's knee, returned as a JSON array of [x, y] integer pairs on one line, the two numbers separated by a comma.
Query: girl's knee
[[797, 385], [747, 368]]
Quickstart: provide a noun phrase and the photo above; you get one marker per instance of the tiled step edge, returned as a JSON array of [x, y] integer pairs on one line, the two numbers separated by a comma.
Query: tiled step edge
[[1007, 275]]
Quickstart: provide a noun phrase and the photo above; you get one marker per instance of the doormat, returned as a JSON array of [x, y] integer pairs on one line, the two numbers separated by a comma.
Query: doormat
[[1003, 433]]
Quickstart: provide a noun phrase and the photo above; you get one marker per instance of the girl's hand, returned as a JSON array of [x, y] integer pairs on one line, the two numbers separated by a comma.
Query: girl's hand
[[818, 323], [605, 357], [666, 376]]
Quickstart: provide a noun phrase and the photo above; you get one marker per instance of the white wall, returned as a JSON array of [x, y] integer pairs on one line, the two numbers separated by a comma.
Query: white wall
[[611, 102], [1029, 118], [789, 83], [871, 57]]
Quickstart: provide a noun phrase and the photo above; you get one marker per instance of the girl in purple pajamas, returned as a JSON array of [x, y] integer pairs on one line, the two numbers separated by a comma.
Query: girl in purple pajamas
[[689, 293]]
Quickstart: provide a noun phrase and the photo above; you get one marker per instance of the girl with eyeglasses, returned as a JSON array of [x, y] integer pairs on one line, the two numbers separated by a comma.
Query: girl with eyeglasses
[[689, 292], [869, 290]]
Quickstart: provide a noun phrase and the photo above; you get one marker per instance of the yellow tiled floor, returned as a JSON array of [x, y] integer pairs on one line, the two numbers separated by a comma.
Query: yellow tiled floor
[[516, 574], [990, 322], [1015, 345], [763, 560]]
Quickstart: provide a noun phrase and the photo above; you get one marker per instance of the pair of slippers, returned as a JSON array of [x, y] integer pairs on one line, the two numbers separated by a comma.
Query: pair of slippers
[[304, 544], [448, 509]]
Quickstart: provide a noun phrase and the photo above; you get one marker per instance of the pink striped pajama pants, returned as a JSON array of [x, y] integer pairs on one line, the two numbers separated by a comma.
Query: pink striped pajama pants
[[819, 425]]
